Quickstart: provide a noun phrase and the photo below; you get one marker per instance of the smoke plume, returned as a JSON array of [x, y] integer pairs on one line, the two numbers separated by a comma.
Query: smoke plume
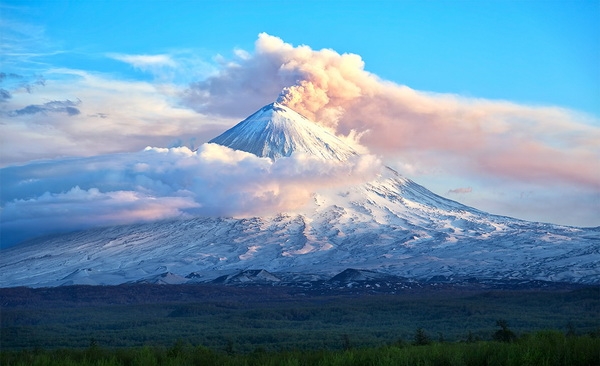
[[497, 139]]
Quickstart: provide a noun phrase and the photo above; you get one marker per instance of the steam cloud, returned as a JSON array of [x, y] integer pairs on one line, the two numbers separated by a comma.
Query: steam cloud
[[162, 183], [494, 138]]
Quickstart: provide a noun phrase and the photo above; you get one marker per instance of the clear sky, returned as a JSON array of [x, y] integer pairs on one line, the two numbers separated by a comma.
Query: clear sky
[[492, 84]]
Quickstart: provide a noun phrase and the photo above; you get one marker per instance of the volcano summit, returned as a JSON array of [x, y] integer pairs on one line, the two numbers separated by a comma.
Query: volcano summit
[[276, 131], [388, 225]]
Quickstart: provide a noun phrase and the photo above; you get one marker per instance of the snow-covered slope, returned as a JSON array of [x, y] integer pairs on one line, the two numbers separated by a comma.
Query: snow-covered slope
[[276, 131], [390, 225]]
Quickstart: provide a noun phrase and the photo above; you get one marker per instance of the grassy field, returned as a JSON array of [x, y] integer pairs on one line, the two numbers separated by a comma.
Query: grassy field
[[545, 348]]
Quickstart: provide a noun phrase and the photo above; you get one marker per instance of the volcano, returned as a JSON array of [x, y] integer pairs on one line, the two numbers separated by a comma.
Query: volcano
[[388, 225], [276, 131]]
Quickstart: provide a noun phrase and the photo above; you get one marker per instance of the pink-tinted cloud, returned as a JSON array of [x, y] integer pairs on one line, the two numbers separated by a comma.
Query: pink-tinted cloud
[[163, 183], [80, 113], [499, 148], [475, 136]]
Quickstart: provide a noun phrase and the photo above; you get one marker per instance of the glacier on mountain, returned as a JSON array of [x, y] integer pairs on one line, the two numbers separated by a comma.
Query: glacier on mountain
[[387, 224], [276, 131]]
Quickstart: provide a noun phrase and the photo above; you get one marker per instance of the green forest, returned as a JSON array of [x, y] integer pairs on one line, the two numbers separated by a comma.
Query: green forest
[[275, 326]]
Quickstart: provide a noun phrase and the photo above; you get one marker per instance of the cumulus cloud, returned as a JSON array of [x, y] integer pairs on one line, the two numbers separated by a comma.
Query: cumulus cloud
[[494, 138], [163, 183]]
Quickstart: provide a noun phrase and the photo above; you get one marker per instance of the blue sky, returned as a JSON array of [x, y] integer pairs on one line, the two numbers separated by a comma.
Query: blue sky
[[541, 52], [492, 103]]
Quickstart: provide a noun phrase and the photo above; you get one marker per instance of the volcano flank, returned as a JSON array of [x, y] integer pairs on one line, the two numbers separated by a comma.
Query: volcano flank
[[384, 226]]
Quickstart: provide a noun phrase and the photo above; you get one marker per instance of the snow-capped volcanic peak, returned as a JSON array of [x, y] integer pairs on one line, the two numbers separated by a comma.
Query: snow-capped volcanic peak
[[386, 227], [276, 131]]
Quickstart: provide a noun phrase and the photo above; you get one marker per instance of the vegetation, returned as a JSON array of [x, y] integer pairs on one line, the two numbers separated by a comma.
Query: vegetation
[[195, 325], [541, 348], [421, 338], [504, 334], [242, 320]]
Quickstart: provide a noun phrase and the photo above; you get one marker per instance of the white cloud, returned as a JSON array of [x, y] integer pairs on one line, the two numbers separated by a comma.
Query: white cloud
[[145, 62], [178, 67], [114, 116], [163, 67], [493, 145], [479, 137], [443, 141], [160, 183]]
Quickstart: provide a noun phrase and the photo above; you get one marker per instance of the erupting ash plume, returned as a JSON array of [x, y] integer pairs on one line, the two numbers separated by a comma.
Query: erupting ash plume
[[495, 138]]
